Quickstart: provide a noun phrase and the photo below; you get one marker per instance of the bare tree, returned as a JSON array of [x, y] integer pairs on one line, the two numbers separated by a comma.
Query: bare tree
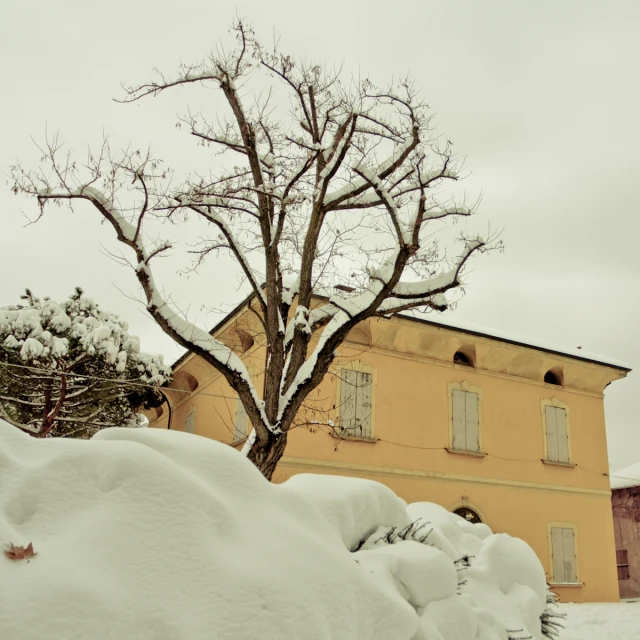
[[327, 178]]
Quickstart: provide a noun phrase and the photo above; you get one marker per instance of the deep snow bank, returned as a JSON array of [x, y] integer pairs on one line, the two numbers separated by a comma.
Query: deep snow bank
[[145, 534]]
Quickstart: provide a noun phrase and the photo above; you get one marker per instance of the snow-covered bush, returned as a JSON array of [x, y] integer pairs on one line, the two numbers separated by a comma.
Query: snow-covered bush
[[72, 368], [155, 534]]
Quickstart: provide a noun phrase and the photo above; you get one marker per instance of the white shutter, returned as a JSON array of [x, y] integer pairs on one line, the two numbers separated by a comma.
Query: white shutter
[[569, 548], [552, 433], [472, 424], [363, 404], [458, 410], [348, 394], [557, 554], [241, 421], [561, 431], [563, 553], [190, 423]]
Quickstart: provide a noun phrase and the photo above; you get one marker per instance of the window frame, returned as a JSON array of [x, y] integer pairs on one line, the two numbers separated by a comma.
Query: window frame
[[465, 503], [356, 365], [468, 388], [558, 404], [552, 577]]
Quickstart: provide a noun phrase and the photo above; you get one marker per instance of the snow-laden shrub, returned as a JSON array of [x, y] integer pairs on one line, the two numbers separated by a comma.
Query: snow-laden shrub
[[72, 368], [155, 534]]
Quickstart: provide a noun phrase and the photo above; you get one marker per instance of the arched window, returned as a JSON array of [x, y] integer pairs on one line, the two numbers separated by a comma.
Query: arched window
[[459, 357], [184, 381], [468, 514], [553, 376]]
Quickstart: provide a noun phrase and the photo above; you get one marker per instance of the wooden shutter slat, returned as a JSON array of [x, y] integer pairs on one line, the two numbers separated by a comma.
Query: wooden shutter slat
[[557, 554], [472, 423], [190, 423], [348, 394], [552, 434], [569, 548], [363, 403], [562, 435], [458, 410]]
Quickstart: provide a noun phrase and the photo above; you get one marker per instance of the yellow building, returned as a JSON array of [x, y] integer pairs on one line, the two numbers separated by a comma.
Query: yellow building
[[510, 433]]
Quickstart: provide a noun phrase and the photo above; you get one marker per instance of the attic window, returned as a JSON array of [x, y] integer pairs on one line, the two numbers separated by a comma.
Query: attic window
[[462, 358], [184, 381], [553, 376]]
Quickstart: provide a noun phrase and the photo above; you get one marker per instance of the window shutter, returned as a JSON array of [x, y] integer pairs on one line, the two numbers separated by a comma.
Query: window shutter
[[569, 555], [557, 553], [563, 552], [622, 560], [563, 439], [552, 433], [241, 422], [472, 430], [465, 421], [458, 410], [348, 395], [363, 403], [190, 423]]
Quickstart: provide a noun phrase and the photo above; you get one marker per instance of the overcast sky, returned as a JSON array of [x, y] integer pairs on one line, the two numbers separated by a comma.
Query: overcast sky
[[541, 97]]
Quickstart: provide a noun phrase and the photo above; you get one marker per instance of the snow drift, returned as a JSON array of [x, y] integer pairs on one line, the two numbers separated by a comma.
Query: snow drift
[[146, 534]]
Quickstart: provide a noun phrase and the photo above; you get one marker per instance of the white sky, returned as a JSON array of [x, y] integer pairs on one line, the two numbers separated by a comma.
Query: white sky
[[541, 97]]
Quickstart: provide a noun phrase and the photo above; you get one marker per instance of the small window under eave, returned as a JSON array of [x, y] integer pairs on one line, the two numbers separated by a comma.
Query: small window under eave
[[553, 377], [459, 357]]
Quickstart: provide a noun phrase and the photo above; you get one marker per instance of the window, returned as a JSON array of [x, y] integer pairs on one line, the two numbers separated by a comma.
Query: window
[[241, 422], [468, 514], [460, 357], [556, 433], [563, 554], [553, 376], [190, 422], [622, 561], [356, 406], [465, 420]]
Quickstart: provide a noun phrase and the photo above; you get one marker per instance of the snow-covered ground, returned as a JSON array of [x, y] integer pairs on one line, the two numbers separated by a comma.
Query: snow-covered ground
[[150, 534], [619, 621]]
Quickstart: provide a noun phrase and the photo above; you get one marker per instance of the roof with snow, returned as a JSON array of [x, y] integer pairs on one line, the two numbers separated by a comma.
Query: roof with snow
[[627, 477], [469, 329]]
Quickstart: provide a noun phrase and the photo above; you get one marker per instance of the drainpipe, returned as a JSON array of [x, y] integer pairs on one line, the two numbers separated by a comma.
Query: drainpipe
[[168, 405]]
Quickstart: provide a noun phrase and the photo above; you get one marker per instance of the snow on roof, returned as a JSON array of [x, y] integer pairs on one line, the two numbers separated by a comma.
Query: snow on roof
[[472, 329], [513, 338], [627, 477], [150, 533]]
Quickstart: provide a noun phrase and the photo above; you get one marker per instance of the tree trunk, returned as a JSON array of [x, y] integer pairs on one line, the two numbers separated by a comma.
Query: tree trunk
[[266, 455]]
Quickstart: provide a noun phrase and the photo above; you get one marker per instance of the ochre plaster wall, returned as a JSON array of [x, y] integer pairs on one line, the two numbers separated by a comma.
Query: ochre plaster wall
[[511, 487]]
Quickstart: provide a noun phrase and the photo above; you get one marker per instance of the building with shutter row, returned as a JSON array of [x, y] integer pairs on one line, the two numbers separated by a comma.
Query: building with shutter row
[[493, 428]]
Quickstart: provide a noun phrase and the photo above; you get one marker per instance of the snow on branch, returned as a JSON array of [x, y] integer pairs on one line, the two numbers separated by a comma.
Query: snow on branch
[[323, 187]]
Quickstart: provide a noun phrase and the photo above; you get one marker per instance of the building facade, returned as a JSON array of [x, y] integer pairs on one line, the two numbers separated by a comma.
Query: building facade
[[625, 501], [503, 432]]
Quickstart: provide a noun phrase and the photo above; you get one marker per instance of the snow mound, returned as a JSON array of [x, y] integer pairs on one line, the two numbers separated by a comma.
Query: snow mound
[[150, 534]]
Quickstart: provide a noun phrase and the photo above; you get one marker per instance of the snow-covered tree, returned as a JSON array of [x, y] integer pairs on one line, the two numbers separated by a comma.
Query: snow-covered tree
[[329, 182], [71, 369]]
